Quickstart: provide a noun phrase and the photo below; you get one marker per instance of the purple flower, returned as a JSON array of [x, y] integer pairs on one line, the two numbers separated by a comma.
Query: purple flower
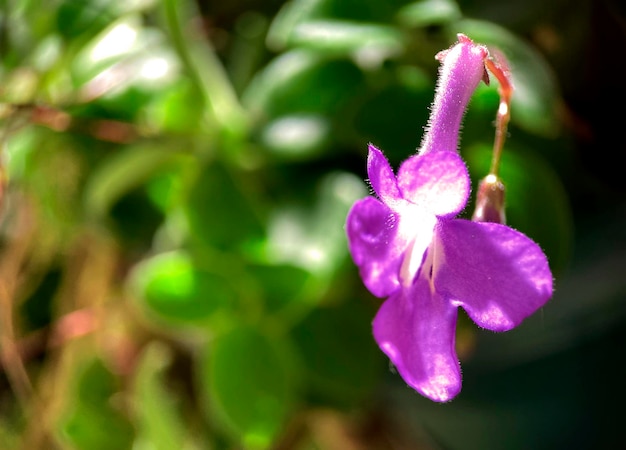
[[410, 248]]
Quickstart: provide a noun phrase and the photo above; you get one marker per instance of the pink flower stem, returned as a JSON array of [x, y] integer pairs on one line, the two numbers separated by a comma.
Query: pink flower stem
[[500, 71]]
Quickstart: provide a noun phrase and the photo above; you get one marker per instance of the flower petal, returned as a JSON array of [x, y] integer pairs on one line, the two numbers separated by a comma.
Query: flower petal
[[416, 329], [497, 274], [372, 230], [381, 176], [437, 181]]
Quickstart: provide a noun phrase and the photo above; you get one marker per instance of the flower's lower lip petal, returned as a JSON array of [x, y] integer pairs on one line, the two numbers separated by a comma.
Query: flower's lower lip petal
[[372, 230], [437, 181], [497, 274], [416, 329]]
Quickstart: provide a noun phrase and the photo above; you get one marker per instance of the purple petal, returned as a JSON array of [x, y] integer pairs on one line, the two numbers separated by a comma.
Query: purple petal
[[381, 176], [372, 230], [416, 329], [437, 181], [497, 274]]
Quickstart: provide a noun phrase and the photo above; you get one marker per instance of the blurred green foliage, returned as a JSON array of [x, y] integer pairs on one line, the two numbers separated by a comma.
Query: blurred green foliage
[[174, 269]]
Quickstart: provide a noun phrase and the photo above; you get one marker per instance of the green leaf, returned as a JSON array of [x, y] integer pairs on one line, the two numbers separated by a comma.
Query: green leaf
[[283, 285], [393, 118], [159, 419], [536, 97], [77, 18], [297, 136], [424, 13], [302, 81], [249, 384], [165, 189], [205, 69], [342, 361], [220, 212], [93, 422], [289, 16], [169, 286], [41, 155], [316, 240], [123, 172], [120, 39], [369, 41], [177, 109], [298, 12]]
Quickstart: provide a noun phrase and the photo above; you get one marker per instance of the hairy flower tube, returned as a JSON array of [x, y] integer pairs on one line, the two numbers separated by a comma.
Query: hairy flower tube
[[412, 250]]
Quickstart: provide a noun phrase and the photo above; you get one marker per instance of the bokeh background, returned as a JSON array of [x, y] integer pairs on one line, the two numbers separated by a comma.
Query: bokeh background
[[176, 175]]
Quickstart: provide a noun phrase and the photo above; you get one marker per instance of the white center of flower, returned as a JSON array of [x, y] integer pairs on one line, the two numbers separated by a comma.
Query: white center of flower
[[418, 225]]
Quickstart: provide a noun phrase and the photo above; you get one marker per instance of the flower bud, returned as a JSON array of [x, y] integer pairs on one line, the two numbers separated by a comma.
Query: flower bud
[[490, 201]]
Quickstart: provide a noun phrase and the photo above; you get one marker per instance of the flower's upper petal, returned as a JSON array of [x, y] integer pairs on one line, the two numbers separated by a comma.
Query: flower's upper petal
[[381, 176], [497, 274], [416, 329], [437, 181], [375, 245]]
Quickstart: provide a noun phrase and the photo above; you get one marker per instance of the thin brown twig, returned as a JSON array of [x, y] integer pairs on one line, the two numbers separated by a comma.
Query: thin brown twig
[[10, 266]]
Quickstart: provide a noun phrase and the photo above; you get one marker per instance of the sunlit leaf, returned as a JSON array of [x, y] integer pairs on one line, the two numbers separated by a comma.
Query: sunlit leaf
[[175, 109], [165, 188], [369, 43], [428, 12], [316, 240], [296, 136], [126, 56], [170, 287], [119, 39], [347, 12]]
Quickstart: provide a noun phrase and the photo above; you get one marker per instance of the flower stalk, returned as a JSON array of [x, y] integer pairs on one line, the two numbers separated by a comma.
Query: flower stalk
[[491, 191]]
